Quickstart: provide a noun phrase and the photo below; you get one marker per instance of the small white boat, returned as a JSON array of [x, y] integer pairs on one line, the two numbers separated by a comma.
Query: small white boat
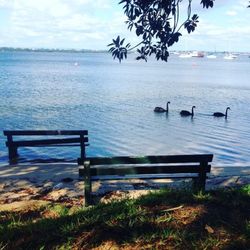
[[211, 56], [185, 55], [230, 57], [197, 54]]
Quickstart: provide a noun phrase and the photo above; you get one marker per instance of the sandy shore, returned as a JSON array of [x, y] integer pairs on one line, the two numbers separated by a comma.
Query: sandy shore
[[61, 183]]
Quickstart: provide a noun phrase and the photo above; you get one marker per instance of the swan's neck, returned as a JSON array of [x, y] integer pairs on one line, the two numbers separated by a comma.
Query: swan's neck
[[167, 107], [192, 111], [226, 112]]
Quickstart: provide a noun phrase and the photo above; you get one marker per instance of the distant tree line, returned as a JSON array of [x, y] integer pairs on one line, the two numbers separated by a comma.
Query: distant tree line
[[10, 49]]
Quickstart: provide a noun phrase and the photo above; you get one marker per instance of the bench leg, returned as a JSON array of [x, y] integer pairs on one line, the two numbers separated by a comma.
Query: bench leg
[[12, 154], [87, 184], [200, 182]]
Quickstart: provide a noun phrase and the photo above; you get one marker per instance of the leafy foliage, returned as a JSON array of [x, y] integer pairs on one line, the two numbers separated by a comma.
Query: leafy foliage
[[207, 3], [156, 22], [117, 48], [191, 24]]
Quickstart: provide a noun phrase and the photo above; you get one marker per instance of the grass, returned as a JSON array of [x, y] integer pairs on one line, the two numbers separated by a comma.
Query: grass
[[165, 219]]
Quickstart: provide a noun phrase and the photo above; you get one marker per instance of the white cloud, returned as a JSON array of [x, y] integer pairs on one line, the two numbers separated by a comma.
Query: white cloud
[[93, 23], [75, 20], [231, 13], [6, 3]]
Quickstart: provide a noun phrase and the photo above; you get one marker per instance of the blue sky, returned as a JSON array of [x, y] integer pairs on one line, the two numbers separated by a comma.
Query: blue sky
[[92, 24]]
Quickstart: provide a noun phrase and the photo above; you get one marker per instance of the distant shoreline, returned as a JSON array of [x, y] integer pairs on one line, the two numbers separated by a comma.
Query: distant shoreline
[[10, 49], [7, 49]]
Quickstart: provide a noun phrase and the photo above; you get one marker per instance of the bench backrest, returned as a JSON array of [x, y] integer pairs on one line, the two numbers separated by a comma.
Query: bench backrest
[[44, 132], [148, 164], [81, 136]]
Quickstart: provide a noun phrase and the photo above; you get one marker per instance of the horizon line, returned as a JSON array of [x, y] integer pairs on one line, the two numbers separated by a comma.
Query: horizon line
[[6, 48]]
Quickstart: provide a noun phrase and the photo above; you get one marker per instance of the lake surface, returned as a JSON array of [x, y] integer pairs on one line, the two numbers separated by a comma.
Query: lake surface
[[115, 103]]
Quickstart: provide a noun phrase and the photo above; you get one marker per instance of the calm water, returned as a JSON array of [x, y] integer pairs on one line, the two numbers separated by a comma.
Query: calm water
[[115, 103]]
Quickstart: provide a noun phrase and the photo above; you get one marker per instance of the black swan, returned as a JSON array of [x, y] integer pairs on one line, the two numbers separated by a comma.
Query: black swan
[[161, 110], [187, 113], [219, 114]]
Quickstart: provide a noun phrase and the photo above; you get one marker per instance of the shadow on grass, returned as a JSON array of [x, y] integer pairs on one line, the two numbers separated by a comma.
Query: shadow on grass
[[168, 218]]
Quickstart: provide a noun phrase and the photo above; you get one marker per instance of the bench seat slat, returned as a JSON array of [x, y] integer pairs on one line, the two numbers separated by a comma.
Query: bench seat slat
[[142, 177], [44, 142], [137, 170], [57, 145], [150, 159], [45, 132]]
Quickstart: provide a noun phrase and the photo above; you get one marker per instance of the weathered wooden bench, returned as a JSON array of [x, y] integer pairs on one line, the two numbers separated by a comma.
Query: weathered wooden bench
[[70, 138], [146, 167]]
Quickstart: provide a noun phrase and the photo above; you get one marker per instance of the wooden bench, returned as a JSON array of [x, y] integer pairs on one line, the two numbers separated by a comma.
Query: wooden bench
[[74, 138], [146, 167]]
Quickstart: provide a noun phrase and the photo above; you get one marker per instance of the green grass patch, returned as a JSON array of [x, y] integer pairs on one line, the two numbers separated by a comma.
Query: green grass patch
[[165, 219]]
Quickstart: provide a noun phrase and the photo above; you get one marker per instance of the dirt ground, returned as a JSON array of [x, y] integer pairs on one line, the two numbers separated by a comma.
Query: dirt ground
[[28, 185]]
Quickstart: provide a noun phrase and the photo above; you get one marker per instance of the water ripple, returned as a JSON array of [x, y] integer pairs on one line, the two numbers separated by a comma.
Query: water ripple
[[115, 103]]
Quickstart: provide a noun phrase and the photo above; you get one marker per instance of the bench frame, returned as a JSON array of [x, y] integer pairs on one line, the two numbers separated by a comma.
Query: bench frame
[[145, 167], [77, 138]]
